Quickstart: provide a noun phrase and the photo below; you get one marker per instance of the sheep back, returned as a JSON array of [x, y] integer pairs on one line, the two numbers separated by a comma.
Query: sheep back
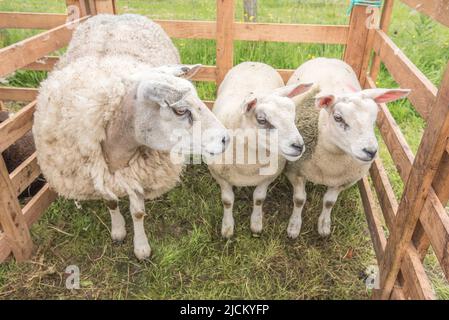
[[130, 35]]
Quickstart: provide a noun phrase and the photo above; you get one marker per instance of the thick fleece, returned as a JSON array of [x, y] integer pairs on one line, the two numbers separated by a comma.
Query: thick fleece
[[129, 35], [85, 93], [307, 116]]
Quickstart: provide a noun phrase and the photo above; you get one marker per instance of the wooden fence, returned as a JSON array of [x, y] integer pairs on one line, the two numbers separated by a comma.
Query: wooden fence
[[415, 222]]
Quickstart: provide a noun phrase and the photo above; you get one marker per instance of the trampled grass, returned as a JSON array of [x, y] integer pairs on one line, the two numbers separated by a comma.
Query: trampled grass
[[190, 260]]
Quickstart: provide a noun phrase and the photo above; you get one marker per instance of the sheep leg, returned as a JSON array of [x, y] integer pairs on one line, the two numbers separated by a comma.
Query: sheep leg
[[118, 231], [227, 198], [259, 195], [142, 249], [324, 220], [299, 199]]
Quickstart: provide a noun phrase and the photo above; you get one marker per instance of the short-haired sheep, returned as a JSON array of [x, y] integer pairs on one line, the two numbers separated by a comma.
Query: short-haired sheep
[[252, 100], [339, 138], [105, 118]]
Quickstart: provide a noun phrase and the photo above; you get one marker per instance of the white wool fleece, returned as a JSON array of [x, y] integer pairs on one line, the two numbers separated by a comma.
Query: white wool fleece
[[73, 120], [80, 98], [106, 35]]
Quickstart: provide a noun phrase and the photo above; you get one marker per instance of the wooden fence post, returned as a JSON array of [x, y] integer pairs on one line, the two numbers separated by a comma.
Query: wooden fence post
[[357, 39], [416, 190], [85, 7], [105, 6], [384, 24], [372, 24], [225, 37], [12, 220]]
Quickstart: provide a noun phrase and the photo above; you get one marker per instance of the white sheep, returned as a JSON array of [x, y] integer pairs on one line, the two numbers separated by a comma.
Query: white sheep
[[340, 139], [252, 97], [104, 121]]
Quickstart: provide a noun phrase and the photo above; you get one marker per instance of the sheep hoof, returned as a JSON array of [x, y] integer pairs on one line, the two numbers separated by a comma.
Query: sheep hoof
[[256, 224], [293, 234], [293, 229], [256, 228], [142, 252], [118, 236], [324, 227], [227, 231]]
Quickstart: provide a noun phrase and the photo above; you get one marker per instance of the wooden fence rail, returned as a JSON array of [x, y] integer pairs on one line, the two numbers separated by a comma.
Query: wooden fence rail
[[415, 222]]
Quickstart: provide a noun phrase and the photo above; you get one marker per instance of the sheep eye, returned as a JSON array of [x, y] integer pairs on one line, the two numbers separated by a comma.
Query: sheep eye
[[338, 118], [180, 111], [262, 121]]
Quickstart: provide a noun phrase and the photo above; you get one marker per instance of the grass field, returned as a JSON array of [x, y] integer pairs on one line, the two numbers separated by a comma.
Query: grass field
[[190, 260]]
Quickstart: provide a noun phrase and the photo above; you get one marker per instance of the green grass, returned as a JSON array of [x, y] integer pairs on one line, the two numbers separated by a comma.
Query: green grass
[[190, 260]]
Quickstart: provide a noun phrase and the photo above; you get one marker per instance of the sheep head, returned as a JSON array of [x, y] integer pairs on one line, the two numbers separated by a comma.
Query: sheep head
[[275, 112], [351, 118], [168, 114]]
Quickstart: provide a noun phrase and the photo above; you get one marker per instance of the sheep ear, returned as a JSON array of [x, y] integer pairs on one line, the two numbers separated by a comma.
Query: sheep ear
[[385, 95], [325, 101], [190, 70], [180, 70], [249, 105], [293, 90], [159, 92]]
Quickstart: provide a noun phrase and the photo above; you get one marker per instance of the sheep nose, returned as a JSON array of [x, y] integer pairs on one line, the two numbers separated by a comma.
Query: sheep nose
[[370, 152], [298, 147]]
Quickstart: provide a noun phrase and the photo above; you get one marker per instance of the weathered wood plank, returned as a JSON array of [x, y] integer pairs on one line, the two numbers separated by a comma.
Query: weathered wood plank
[[285, 74], [188, 29], [209, 103], [12, 221], [225, 37], [436, 9], [304, 33], [373, 218], [29, 20], [206, 73], [384, 191], [25, 174], [46, 63], [357, 38], [417, 188], [15, 127], [23, 53], [385, 19], [17, 94], [105, 6], [367, 53], [405, 73], [433, 216], [415, 281], [441, 182], [5, 250], [435, 221], [38, 204]]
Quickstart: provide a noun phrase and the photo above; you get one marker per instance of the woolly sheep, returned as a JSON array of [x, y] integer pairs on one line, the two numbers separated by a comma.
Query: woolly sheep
[[339, 138], [105, 118], [251, 97]]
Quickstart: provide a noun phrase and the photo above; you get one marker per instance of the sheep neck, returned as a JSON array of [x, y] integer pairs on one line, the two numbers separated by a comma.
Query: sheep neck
[[120, 144]]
